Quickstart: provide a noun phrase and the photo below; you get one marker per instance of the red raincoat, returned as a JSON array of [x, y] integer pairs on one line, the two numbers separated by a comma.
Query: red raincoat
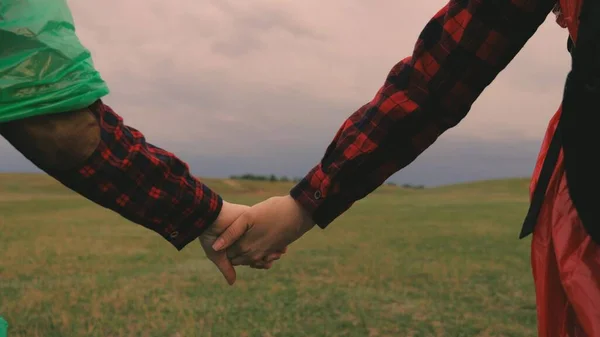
[[565, 260]]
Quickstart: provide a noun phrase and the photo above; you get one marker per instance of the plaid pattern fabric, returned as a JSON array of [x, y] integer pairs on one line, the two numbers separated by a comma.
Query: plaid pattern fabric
[[143, 183], [458, 54]]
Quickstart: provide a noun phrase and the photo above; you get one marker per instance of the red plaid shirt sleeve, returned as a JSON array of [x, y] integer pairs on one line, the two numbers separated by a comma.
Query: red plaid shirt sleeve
[[458, 54], [144, 184]]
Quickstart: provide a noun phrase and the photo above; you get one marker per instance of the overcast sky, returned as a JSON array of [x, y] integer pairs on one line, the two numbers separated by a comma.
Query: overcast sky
[[262, 85]]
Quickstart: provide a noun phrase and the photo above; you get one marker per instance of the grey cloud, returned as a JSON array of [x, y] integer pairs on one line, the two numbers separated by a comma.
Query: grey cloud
[[226, 118], [239, 44], [450, 160], [249, 23], [260, 16]]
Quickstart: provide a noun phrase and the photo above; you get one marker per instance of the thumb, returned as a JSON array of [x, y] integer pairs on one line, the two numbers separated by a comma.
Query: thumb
[[225, 267], [232, 233]]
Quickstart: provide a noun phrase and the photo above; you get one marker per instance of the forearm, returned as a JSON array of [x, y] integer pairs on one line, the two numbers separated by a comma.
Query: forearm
[[458, 54], [96, 155]]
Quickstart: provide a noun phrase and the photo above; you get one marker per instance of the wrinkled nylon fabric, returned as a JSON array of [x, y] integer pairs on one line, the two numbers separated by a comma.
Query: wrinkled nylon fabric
[[565, 260], [44, 68]]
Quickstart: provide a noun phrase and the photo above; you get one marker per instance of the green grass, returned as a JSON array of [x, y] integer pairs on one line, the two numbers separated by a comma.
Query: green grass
[[433, 262]]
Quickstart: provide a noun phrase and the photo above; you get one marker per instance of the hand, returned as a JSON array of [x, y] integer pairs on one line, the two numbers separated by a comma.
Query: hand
[[264, 230], [229, 213]]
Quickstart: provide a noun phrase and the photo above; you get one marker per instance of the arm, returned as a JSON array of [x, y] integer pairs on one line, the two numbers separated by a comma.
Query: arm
[[93, 153], [458, 54]]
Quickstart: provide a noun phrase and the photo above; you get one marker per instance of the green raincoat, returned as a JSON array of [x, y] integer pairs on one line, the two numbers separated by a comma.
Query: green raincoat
[[44, 68], [3, 328]]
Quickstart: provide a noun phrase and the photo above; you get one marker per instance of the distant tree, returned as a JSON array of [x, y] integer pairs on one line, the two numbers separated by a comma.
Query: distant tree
[[249, 176], [413, 187], [257, 177]]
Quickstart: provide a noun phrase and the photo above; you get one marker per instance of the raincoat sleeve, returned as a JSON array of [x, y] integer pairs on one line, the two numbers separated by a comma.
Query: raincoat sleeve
[[44, 68], [457, 55]]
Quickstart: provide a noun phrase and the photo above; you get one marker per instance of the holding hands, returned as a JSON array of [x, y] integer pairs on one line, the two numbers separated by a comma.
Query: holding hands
[[254, 236]]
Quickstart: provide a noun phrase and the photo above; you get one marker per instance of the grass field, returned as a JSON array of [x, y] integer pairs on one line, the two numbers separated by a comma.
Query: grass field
[[434, 262]]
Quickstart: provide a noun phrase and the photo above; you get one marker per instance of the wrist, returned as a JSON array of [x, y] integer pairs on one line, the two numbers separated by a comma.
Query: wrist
[[221, 214], [306, 221]]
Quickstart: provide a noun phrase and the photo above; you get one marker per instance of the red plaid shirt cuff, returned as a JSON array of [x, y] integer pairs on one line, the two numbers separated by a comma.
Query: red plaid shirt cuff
[[313, 194], [143, 183]]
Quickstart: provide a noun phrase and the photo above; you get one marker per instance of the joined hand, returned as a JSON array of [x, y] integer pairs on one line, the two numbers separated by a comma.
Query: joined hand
[[263, 231]]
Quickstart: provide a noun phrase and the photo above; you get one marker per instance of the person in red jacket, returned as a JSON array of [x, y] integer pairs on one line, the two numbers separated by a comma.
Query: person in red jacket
[[458, 54]]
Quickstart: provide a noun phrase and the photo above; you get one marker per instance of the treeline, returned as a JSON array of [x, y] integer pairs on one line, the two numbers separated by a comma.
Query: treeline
[[408, 186], [274, 178]]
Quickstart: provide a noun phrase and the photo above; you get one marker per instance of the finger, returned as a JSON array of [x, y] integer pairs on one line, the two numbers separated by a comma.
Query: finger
[[232, 233], [262, 265], [266, 262], [235, 250], [259, 264], [244, 260], [241, 261], [273, 257], [225, 267]]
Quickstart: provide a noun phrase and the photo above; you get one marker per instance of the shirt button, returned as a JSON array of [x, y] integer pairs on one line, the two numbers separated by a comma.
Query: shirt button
[[174, 234], [318, 195]]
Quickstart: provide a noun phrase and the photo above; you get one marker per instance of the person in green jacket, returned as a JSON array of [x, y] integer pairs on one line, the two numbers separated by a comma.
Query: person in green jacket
[[51, 110]]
